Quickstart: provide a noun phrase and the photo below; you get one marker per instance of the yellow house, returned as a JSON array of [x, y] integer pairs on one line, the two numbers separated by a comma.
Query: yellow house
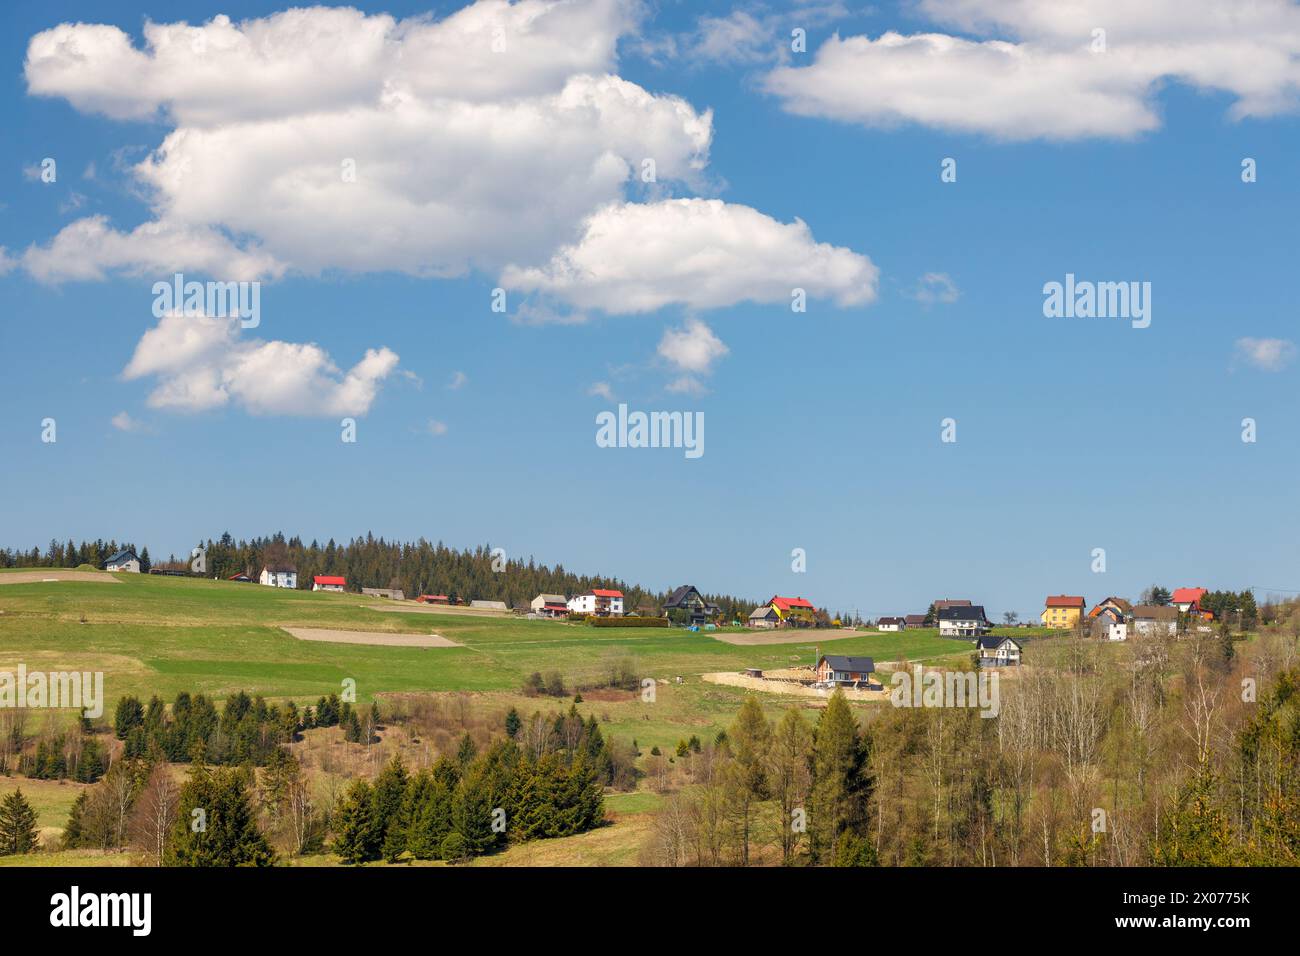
[[1063, 611], [794, 610]]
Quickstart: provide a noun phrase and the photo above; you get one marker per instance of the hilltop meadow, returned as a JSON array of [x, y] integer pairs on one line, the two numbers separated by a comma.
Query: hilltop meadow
[[607, 746]]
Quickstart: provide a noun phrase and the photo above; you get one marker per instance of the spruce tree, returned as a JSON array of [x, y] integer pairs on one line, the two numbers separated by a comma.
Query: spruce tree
[[17, 825], [841, 785]]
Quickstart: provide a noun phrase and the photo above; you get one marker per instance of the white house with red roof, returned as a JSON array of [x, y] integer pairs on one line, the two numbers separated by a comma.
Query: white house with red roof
[[600, 602], [1188, 600], [328, 582]]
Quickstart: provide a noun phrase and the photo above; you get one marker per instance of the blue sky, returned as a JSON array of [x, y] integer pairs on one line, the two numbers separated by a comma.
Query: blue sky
[[822, 428]]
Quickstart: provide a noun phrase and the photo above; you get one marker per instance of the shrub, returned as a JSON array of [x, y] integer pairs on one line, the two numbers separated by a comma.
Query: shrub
[[628, 621]]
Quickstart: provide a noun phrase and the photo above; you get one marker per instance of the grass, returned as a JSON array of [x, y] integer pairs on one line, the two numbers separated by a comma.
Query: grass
[[160, 635]]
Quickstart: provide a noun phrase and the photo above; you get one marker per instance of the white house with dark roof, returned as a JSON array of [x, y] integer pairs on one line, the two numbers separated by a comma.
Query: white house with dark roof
[[998, 651], [963, 621], [124, 560], [891, 624], [279, 576]]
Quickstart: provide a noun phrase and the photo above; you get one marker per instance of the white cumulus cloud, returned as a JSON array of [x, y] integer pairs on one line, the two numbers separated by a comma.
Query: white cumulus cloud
[[1029, 70], [699, 253], [202, 363], [324, 139]]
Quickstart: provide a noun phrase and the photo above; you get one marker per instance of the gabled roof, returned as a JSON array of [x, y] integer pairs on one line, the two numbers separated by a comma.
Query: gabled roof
[[329, 579], [785, 603], [277, 568], [604, 592], [1152, 612], [1122, 605], [840, 663], [1187, 595], [550, 598], [970, 612], [678, 596], [950, 602], [890, 620], [914, 619], [1065, 600], [993, 641], [762, 611], [127, 554]]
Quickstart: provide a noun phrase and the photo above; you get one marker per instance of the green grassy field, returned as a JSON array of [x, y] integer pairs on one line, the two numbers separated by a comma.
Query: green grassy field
[[160, 635]]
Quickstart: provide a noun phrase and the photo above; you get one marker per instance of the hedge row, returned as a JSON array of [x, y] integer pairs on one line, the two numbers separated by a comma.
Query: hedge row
[[628, 621]]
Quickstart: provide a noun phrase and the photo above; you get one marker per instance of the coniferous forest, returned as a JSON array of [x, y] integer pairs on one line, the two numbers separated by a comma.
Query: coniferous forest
[[418, 567]]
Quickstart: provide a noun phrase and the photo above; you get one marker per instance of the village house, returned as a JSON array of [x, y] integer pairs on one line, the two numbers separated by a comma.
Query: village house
[[1063, 611], [1188, 601], [890, 624], [549, 605], [279, 576], [963, 620], [998, 651], [125, 560], [598, 602], [764, 616], [1118, 606], [851, 671], [328, 582], [489, 605], [694, 609], [945, 603], [794, 612], [1152, 619], [1115, 630], [913, 620]]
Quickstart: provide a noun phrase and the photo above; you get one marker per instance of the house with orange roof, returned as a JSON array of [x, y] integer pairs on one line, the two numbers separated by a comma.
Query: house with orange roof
[[1062, 611]]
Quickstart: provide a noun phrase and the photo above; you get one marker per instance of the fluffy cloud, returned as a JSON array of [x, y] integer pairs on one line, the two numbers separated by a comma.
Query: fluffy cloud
[[483, 141], [427, 147], [201, 363], [700, 253], [458, 379], [692, 348], [1268, 355], [1033, 72], [89, 249]]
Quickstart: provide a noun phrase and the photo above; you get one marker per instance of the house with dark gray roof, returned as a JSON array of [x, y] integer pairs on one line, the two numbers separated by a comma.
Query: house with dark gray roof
[[124, 560], [998, 651], [693, 608], [963, 621], [839, 669]]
